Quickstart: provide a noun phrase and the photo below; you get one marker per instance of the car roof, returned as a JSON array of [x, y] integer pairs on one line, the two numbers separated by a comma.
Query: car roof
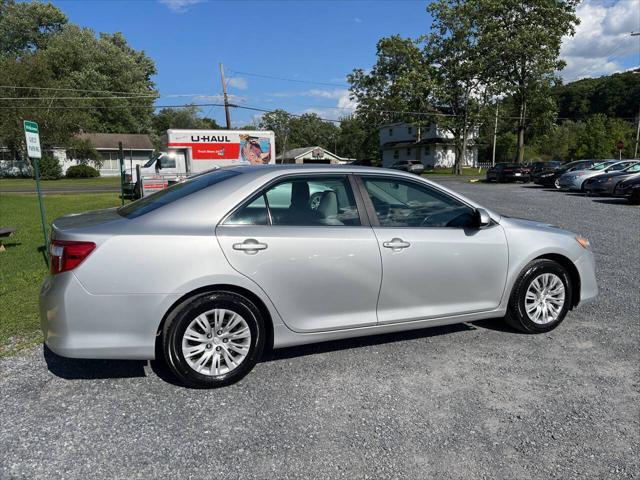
[[320, 168]]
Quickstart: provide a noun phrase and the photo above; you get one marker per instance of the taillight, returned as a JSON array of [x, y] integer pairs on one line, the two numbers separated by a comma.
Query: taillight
[[67, 254]]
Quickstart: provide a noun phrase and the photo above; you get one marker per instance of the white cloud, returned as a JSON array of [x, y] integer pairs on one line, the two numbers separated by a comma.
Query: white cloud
[[179, 6], [602, 39], [349, 105], [238, 82], [357, 20]]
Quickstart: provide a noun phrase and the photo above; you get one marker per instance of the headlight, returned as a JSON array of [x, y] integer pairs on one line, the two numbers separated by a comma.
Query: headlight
[[584, 243]]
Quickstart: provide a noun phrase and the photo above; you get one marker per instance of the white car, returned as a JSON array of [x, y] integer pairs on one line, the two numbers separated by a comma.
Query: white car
[[575, 180]]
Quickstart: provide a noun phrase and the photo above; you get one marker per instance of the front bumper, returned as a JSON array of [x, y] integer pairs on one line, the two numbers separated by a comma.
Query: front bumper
[[598, 188], [586, 267]]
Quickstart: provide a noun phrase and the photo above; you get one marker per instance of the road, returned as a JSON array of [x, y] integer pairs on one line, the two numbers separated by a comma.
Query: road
[[470, 401]]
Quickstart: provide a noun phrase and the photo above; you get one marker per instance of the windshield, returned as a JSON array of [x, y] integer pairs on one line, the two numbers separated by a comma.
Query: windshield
[[152, 159], [601, 166], [633, 168], [174, 192]]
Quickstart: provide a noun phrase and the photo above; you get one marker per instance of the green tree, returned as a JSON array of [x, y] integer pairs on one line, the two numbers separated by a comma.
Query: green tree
[[396, 89], [81, 150], [64, 73], [459, 84], [278, 121], [25, 27], [520, 42], [356, 140], [185, 117]]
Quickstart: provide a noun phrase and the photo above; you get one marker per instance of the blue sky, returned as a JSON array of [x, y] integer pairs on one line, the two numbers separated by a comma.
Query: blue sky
[[316, 41]]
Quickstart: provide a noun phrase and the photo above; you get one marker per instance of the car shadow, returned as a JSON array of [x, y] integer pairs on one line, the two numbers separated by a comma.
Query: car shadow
[[612, 201], [87, 369], [359, 342]]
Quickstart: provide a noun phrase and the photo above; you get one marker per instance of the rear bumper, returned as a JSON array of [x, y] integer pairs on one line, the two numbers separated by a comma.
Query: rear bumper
[[77, 324]]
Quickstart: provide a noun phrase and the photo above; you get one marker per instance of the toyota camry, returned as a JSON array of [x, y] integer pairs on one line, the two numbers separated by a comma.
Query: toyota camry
[[210, 272]]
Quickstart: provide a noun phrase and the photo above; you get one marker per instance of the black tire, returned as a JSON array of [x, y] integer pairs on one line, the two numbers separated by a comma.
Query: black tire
[[634, 199], [516, 313], [186, 312]]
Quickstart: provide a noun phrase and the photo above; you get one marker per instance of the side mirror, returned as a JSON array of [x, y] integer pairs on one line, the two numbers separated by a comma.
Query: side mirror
[[484, 219]]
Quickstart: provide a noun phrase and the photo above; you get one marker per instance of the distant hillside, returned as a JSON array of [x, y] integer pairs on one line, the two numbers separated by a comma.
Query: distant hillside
[[616, 95]]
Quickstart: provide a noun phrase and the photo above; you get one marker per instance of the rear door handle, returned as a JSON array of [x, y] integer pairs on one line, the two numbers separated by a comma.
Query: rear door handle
[[396, 244], [250, 246]]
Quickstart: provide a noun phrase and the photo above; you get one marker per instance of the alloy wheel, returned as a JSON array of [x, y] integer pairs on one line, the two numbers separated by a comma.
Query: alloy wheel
[[545, 298], [216, 342]]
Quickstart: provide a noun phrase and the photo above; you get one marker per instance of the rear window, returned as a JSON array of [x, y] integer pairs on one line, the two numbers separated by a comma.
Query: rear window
[[174, 192]]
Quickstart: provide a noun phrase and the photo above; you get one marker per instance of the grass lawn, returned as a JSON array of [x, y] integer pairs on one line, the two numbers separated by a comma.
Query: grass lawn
[[63, 182], [22, 265]]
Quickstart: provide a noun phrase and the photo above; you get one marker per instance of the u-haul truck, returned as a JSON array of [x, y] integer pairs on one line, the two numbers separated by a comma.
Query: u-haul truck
[[188, 152]]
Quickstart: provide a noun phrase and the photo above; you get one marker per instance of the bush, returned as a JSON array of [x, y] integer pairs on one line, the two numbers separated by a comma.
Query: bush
[[82, 171], [50, 168]]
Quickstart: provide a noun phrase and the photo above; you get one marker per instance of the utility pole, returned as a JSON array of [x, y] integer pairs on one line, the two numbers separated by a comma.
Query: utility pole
[[226, 98], [495, 134]]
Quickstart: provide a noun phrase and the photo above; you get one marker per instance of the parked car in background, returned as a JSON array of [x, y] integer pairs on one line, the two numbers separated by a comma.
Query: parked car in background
[[223, 270], [539, 168], [629, 189], [575, 180], [605, 183], [548, 179], [508, 172], [411, 166]]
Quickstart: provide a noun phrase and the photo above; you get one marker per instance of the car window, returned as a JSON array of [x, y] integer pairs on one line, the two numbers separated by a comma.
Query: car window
[[255, 213], [633, 168], [400, 203], [617, 167], [174, 192], [302, 201]]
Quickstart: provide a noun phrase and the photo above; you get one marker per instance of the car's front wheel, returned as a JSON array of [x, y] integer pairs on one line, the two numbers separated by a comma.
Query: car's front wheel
[[213, 340], [540, 298]]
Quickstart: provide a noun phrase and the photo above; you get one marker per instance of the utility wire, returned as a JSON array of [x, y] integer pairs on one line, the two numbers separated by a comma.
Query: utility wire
[[257, 109], [283, 79]]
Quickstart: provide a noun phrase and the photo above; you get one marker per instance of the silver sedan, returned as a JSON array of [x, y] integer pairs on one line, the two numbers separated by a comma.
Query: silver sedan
[[213, 270]]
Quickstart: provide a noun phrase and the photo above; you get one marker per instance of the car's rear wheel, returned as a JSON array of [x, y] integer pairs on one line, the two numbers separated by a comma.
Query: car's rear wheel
[[557, 183], [540, 298], [213, 340]]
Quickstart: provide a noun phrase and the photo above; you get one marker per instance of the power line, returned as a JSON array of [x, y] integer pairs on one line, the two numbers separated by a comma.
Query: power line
[[20, 87], [257, 109], [283, 79]]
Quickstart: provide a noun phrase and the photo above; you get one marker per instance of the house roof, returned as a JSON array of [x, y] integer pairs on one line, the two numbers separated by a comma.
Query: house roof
[[109, 141], [302, 151]]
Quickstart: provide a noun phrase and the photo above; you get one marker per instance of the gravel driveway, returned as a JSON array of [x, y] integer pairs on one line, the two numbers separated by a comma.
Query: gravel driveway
[[467, 401]]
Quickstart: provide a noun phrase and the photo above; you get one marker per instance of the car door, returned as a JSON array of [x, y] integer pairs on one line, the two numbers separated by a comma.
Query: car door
[[306, 243], [435, 261]]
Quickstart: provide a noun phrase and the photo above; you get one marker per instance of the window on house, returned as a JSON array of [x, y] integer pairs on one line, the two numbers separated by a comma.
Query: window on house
[[396, 154], [391, 132], [410, 130], [408, 152]]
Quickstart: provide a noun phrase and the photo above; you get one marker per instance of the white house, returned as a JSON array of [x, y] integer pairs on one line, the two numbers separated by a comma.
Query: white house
[[137, 149], [311, 155], [431, 145]]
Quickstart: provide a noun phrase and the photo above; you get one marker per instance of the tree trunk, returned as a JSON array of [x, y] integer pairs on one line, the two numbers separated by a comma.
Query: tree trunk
[[521, 128]]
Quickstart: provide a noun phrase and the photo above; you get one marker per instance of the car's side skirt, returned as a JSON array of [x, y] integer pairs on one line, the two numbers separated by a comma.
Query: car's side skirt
[[284, 337]]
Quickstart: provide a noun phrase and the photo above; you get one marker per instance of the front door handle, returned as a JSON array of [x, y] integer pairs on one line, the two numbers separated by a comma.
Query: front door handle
[[250, 246], [396, 244]]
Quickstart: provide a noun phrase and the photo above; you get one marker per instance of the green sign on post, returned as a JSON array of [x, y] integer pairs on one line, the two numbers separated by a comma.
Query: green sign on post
[[32, 135]]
